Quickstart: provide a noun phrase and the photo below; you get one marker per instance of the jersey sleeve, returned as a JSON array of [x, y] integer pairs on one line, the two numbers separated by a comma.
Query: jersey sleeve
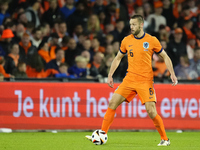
[[157, 46], [123, 47]]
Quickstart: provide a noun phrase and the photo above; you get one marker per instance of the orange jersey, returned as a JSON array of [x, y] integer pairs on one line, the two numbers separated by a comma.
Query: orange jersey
[[139, 52]]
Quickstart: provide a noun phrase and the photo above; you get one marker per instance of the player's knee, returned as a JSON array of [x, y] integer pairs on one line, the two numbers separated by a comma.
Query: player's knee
[[151, 112], [151, 109], [115, 101], [112, 105]]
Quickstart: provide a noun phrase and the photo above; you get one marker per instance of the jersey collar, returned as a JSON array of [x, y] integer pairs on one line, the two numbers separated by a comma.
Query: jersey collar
[[139, 37]]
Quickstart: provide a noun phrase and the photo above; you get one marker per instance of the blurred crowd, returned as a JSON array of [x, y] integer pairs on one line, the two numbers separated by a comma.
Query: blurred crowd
[[80, 38]]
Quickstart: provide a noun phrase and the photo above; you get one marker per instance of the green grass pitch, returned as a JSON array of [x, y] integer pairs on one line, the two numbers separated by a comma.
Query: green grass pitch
[[116, 141]]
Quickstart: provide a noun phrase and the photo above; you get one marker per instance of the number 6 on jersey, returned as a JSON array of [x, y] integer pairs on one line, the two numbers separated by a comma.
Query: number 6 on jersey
[[131, 53]]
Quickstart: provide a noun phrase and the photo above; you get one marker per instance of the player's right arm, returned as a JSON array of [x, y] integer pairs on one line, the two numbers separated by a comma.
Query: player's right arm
[[113, 67]]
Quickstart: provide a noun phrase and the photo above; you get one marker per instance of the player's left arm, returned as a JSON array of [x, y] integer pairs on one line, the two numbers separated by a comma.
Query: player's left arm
[[169, 65]]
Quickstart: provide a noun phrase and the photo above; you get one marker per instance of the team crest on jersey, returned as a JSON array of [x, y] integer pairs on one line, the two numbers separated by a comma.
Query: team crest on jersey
[[146, 45]]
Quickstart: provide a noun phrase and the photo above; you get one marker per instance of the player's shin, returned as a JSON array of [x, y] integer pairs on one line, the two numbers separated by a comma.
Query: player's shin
[[158, 122], [108, 119]]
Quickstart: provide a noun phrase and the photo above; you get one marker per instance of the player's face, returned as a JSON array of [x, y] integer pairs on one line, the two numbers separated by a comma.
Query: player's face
[[135, 26]]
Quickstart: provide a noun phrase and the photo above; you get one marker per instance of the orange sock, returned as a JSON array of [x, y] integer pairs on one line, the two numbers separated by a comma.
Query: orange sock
[[160, 127], [108, 119]]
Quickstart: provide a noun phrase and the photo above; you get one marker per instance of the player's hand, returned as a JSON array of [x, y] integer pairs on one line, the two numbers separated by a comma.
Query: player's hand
[[11, 76], [174, 80], [110, 81]]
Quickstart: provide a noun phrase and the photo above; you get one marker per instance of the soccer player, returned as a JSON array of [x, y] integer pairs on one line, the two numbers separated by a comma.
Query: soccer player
[[139, 46]]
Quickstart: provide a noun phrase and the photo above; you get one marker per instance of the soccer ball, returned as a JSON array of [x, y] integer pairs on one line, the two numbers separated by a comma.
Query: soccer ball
[[99, 137]]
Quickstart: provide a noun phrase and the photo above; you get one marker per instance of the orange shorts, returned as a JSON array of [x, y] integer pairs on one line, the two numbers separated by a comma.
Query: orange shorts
[[145, 91]]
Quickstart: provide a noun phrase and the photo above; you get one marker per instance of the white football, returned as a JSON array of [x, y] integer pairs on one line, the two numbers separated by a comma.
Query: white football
[[99, 137]]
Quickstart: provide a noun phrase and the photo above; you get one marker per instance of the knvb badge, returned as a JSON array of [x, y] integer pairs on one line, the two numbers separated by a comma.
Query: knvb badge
[[146, 46]]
